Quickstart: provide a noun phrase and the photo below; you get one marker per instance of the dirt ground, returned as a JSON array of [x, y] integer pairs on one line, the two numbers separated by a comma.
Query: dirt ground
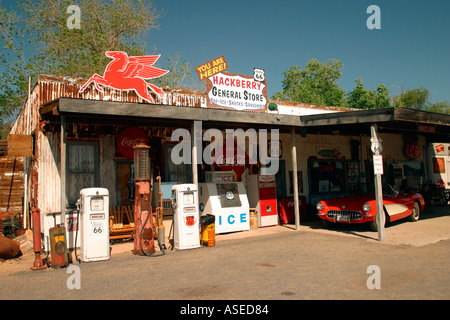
[[432, 227]]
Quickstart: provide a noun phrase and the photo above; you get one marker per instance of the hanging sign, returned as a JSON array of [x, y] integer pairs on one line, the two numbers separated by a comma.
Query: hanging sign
[[377, 164], [211, 68], [234, 91], [128, 138]]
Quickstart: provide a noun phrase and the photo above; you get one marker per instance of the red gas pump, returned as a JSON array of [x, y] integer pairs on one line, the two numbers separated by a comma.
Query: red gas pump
[[143, 219], [36, 220]]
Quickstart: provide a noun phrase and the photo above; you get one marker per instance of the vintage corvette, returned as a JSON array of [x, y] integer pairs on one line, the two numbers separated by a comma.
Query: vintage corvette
[[361, 208]]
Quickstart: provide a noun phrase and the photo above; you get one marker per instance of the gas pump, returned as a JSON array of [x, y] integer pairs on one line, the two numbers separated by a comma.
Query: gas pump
[[94, 224], [144, 243], [186, 216]]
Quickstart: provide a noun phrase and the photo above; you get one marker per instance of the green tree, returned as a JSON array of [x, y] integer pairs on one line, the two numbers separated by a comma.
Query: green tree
[[105, 25], [13, 79], [57, 49], [368, 99], [413, 99], [180, 73], [439, 107], [315, 84]]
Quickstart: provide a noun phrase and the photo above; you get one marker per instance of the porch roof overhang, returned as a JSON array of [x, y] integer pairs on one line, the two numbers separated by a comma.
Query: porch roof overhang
[[94, 111], [435, 126]]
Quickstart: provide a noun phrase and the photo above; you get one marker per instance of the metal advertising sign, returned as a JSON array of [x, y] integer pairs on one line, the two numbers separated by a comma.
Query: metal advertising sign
[[211, 68], [238, 92], [128, 73], [128, 138]]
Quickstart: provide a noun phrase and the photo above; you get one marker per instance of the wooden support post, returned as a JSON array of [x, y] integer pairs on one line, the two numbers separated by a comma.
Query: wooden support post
[[295, 180], [63, 168], [376, 149]]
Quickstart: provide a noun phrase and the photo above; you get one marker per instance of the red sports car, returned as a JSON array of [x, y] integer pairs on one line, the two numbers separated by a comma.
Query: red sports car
[[362, 208]]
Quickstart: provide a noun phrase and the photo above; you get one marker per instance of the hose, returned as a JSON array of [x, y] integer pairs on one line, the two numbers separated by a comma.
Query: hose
[[143, 225], [76, 234]]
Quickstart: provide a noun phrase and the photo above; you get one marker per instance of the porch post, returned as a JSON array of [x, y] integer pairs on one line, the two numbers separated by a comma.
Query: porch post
[[194, 144], [63, 167], [376, 149], [294, 177]]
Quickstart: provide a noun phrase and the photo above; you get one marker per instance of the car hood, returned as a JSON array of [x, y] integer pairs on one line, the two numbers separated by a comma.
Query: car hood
[[353, 201]]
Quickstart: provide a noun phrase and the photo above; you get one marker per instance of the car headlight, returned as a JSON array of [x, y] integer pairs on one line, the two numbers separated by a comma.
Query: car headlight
[[319, 206], [366, 207]]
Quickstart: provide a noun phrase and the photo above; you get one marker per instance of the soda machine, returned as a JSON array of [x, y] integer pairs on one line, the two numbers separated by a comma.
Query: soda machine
[[262, 195]]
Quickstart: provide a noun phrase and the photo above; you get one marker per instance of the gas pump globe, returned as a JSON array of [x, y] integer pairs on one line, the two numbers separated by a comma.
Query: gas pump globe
[[141, 162], [143, 219]]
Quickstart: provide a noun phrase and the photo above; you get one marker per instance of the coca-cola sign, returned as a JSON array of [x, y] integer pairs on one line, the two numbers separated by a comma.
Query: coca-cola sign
[[232, 158], [128, 138]]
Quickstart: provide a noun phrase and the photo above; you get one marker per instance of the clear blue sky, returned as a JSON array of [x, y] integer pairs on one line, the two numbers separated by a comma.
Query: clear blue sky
[[412, 48]]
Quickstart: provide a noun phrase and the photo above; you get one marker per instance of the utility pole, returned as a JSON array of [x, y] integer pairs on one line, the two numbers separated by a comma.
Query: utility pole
[[378, 172]]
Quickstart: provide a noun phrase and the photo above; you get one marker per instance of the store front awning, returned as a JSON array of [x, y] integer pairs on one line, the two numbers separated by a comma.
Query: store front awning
[[435, 126], [104, 111]]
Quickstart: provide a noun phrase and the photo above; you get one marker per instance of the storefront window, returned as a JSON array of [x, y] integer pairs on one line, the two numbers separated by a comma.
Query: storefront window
[[181, 173], [82, 168], [327, 176]]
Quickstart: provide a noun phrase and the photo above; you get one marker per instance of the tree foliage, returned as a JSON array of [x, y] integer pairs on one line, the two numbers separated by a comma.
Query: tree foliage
[[39, 41], [315, 84], [416, 99], [13, 79], [105, 25], [363, 98]]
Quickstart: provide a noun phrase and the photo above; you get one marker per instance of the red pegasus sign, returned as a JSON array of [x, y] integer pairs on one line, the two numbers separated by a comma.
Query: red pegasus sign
[[128, 73]]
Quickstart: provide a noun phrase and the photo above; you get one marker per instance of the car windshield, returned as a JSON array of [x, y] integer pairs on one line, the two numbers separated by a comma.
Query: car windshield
[[388, 190]]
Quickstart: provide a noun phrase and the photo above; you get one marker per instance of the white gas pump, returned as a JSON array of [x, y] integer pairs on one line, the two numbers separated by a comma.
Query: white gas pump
[[186, 216], [94, 224]]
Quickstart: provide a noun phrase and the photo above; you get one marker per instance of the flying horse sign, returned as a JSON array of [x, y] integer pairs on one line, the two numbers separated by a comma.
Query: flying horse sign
[[129, 73]]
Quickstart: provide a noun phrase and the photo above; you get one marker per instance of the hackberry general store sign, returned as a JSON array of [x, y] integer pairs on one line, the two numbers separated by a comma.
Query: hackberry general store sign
[[235, 91]]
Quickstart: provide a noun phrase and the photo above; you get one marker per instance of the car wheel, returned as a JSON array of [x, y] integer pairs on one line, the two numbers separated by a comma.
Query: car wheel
[[415, 212], [326, 224]]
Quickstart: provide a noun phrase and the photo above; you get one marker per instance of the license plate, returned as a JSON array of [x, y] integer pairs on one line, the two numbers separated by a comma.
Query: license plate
[[341, 218]]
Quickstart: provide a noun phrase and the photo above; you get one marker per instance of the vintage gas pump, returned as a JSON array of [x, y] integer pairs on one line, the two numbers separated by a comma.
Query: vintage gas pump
[[186, 216], [94, 224], [58, 249], [144, 243], [36, 226]]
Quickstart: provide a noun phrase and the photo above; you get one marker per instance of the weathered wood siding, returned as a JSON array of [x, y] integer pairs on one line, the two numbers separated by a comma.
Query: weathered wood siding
[[48, 168], [11, 184]]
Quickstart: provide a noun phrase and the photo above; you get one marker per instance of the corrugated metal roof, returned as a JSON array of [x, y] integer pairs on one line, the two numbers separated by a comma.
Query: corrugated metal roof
[[54, 87]]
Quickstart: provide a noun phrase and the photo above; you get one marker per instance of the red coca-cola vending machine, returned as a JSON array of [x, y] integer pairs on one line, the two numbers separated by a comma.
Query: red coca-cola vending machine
[[262, 195]]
